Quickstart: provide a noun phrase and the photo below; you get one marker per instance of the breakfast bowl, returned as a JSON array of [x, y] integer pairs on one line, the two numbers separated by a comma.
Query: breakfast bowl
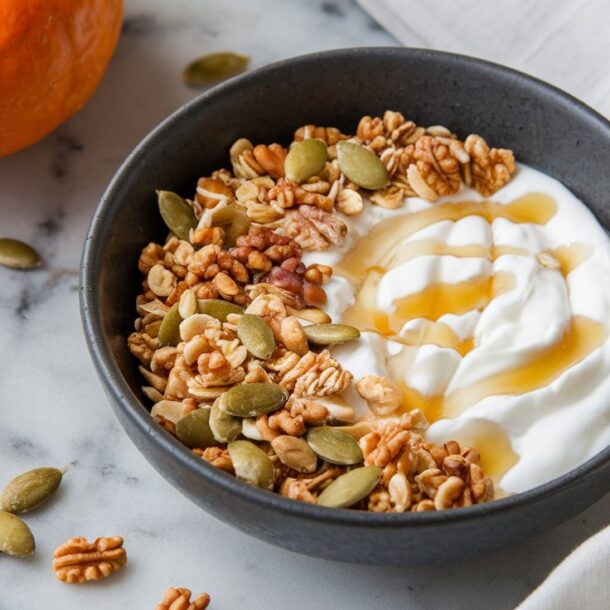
[[546, 128]]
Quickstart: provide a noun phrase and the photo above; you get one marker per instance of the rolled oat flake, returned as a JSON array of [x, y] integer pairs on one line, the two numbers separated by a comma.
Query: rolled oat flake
[[350, 487], [15, 536], [17, 254], [30, 489]]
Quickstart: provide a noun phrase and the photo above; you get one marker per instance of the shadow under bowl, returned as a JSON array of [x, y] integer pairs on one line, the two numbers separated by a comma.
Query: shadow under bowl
[[545, 127]]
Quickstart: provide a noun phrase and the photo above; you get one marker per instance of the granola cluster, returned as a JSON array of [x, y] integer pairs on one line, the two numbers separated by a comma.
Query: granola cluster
[[227, 301]]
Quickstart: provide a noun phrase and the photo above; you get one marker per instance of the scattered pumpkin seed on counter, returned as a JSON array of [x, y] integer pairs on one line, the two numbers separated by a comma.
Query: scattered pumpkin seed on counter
[[217, 308], [17, 254], [362, 166], [256, 336], [177, 214], [30, 489], [335, 446], [350, 487], [214, 67], [331, 334], [16, 537], [305, 159], [252, 464], [252, 399]]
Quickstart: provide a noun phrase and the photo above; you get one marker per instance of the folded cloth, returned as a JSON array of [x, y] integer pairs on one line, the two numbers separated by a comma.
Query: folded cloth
[[564, 43], [579, 581]]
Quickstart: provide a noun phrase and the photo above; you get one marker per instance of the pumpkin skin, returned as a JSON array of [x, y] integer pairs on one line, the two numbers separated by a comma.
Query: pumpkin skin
[[53, 54]]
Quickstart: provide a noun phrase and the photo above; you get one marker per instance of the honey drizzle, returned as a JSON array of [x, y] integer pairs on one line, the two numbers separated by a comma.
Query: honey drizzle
[[581, 338]]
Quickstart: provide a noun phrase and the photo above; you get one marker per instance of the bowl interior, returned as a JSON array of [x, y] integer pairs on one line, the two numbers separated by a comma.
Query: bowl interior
[[546, 129]]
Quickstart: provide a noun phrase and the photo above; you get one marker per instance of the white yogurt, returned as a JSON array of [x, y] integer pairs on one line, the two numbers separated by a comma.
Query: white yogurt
[[552, 429]]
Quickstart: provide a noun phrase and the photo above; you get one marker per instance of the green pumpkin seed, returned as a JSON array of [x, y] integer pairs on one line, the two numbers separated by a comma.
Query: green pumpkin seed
[[334, 446], [213, 68], [177, 214], [225, 427], [256, 336], [295, 453], [169, 331], [350, 487], [330, 334], [30, 489], [251, 464], [233, 220], [15, 536], [17, 254], [252, 399], [305, 159], [217, 308], [362, 166], [194, 430]]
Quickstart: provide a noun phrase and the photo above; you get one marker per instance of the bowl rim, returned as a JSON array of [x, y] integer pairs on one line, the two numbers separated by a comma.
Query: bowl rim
[[128, 403]]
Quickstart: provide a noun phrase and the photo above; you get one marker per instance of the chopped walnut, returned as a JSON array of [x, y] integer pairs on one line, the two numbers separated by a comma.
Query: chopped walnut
[[78, 560], [261, 248], [489, 169], [288, 194], [180, 599], [329, 135], [435, 171], [315, 229], [350, 202], [142, 346], [152, 254]]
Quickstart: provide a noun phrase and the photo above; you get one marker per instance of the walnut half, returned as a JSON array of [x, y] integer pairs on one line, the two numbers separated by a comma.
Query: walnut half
[[180, 599]]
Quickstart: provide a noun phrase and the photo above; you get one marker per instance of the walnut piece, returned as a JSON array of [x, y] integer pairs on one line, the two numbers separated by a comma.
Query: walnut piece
[[77, 560], [315, 229], [381, 395], [489, 169], [180, 599], [329, 135], [261, 248], [217, 456]]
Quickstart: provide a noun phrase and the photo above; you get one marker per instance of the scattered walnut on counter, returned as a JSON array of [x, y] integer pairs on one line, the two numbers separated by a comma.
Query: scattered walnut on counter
[[180, 599]]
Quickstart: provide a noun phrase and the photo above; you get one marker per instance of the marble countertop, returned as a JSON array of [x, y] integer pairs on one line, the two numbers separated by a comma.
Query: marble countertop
[[55, 413]]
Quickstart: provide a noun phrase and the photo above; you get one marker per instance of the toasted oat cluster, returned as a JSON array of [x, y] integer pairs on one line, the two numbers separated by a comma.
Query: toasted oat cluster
[[235, 345]]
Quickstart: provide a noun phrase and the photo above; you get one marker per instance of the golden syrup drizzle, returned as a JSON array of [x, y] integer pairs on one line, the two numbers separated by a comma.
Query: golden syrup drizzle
[[582, 337], [385, 237], [571, 256], [435, 333]]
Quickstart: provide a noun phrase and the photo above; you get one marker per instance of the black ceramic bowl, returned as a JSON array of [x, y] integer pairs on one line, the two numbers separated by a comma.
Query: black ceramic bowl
[[545, 127]]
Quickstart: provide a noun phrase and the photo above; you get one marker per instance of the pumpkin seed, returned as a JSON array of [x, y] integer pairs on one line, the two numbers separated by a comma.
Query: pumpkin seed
[[330, 334], [15, 536], [233, 220], [17, 254], [350, 487], [217, 308], [30, 489], [305, 159], [295, 453], [225, 427], [177, 214], [251, 464], [169, 331], [213, 68], [194, 430], [252, 399], [256, 336], [361, 165], [334, 446]]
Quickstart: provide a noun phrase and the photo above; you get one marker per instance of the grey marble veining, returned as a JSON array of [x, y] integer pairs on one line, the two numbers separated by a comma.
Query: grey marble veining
[[52, 406]]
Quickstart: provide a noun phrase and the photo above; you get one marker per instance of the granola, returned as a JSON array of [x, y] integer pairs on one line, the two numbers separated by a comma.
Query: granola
[[253, 228]]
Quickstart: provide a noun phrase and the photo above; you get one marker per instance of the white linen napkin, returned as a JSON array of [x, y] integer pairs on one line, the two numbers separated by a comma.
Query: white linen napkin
[[579, 581], [564, 42]]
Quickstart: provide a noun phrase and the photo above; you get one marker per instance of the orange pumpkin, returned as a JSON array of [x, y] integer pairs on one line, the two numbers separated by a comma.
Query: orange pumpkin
[[53, 54]]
